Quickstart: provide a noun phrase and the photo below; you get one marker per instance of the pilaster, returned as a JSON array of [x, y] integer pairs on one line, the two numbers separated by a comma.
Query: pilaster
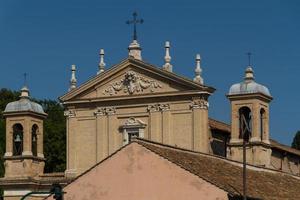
[[154, 118], [235, 124], [9, 139], [111, 124], [159, 115], [71, 137], [166, 120], [101, 135], [200, 125], [27, 138], [255, 123]]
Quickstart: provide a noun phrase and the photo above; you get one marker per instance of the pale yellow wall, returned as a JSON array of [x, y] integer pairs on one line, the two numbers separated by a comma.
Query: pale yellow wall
[[93, 134]]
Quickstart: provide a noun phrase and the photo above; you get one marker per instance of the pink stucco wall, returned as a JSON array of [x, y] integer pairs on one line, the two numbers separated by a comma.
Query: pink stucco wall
[[135, 173]]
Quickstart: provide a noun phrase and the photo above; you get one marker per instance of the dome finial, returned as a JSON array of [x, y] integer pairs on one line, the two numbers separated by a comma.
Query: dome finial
[[198, 70], [101, 63], [167, 66], [25, 90], [249, 74]]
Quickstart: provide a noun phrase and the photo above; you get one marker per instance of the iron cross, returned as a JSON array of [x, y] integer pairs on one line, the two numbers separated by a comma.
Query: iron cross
[[135, 21], [25, 79], [249, 58]]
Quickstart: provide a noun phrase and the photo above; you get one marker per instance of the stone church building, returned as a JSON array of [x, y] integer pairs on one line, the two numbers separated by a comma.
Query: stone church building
[[146, 132]]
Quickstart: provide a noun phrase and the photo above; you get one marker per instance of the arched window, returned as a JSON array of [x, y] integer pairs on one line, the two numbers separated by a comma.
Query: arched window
[[34, 131], [245, 119], [262, 123], [17, 139]]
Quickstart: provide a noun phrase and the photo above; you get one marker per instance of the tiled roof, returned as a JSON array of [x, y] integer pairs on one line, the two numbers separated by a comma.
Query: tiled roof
[[227, 175], [215, 124], [226, 128]]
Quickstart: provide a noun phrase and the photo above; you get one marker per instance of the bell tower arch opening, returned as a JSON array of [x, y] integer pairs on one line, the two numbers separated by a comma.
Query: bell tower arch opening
[[245, 123], [262, 120], [34, 139], [17, 139]]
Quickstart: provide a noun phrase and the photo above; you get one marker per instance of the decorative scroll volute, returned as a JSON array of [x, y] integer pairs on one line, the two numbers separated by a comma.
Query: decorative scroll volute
[[105, 111], [158, 107], [69, 113], [131, 83], [199, 103]]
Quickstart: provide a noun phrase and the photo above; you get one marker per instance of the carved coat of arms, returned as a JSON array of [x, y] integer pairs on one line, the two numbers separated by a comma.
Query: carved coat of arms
[[131, 83]]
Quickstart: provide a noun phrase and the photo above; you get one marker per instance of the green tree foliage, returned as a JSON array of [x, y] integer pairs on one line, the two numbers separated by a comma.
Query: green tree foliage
[[54, 132], [296, 141], [54, 136], [6, 96]]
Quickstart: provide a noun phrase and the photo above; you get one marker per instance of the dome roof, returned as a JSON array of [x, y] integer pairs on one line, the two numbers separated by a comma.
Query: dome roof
[[248, 86], [24, 104]]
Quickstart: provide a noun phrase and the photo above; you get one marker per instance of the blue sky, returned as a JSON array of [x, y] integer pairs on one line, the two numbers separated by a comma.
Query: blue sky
[[43, 38]]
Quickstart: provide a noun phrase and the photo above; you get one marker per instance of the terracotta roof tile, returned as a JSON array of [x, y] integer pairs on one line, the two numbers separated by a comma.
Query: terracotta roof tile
[[227, 175]]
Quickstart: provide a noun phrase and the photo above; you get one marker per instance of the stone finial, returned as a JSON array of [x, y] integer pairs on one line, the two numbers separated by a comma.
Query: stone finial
[[249, 74], [135, 50], [24, 92], [167, 66], [73, 80], [198, 70], [101, 63]]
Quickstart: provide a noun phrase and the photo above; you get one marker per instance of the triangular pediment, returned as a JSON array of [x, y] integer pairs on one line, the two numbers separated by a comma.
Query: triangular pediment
[[132, 78]]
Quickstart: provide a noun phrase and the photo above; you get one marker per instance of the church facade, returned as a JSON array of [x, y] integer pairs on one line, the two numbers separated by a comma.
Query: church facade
[[136, 100]]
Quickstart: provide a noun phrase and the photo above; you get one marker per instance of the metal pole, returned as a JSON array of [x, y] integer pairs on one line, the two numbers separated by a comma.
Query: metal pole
[[56, 190], [244, 171]]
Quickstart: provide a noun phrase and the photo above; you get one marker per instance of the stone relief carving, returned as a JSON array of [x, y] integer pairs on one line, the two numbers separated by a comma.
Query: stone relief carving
[[134, 122], [199, 103], [131, 83], [69, 113], [158, 107], [105, 111]]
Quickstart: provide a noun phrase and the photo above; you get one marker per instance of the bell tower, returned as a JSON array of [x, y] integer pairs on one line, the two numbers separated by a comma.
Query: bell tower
[[24, 137], [250, 111]]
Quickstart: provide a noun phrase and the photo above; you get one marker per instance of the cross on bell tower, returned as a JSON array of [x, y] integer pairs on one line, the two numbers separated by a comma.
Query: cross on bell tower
[[134, 48]]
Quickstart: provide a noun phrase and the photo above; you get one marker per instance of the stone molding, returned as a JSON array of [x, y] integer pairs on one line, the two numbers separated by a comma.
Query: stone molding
[[105, 111], [70, 113], [199, 103], [130, 84], [158, 107]]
